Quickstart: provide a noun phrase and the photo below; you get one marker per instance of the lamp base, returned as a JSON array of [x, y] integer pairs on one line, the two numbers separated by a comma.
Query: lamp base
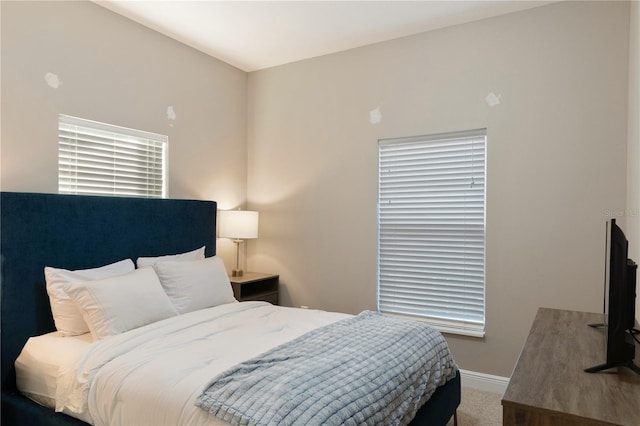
[[237, 273]]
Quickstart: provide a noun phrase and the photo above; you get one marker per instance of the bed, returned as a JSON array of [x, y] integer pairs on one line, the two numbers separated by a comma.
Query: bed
[[77, 232]]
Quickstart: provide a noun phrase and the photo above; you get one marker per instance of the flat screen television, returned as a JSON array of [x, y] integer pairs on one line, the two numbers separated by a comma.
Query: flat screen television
[[619, 303]]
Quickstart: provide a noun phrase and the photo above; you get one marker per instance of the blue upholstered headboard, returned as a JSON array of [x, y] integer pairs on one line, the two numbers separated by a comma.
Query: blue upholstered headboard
[[79, 232]]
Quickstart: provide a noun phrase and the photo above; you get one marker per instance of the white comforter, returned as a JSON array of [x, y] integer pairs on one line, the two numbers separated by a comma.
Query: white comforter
[[152, 375]]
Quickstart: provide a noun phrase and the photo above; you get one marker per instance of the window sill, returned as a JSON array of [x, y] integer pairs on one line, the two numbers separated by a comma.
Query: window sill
[[447, 327]]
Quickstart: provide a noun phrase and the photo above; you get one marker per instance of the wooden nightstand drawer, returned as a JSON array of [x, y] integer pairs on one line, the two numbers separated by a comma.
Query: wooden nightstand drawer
[[256, 286]]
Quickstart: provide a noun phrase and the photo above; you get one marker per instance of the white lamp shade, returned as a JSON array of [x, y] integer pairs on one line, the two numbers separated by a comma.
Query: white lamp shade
[[238, 224]]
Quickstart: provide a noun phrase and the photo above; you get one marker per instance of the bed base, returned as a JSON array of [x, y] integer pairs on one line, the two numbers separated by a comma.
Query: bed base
[[18, 410], [442, 405]]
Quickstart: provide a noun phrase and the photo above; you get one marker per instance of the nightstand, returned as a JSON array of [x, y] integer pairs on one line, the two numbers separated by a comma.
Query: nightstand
[[256, 286]]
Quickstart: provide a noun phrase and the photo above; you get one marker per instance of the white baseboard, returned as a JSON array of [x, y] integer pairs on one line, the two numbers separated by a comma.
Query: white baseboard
[[484, 382]]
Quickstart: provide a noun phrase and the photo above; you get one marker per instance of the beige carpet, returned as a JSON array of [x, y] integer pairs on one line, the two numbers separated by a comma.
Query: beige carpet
[[479, 408]]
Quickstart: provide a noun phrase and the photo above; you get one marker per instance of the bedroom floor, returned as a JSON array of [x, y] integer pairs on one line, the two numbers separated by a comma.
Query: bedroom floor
[[479, 408]]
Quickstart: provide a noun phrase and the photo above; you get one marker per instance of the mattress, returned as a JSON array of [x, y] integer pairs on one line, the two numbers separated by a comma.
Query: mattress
[[40, 361]]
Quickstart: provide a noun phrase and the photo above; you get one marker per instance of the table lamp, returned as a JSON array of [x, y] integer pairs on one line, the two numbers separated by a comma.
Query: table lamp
[[239, 225]]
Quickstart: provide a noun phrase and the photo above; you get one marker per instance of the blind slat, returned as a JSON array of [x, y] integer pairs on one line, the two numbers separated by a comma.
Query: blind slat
[[431, 223], [102, 159]]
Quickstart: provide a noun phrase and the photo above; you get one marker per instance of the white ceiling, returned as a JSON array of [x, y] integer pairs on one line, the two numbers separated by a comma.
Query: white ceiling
[[253, 35]]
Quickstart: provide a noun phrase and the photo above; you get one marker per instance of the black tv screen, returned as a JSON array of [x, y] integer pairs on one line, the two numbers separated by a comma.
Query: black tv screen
[[619, 302]]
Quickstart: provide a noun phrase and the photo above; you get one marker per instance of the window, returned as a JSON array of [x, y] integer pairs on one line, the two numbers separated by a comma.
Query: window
[[101, 159], [431, 229]]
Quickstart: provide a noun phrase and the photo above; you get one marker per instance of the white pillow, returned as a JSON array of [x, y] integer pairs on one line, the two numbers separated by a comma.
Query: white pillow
[[115, 305], [67, 317], [195, 285], [197, 254]]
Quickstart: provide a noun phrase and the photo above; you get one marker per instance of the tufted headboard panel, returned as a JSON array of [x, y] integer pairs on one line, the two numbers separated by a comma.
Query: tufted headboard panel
[[79, 232]]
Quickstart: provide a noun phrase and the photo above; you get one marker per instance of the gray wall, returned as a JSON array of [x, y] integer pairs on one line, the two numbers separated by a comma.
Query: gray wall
[[116, 71], [633, 158], [557, 155]]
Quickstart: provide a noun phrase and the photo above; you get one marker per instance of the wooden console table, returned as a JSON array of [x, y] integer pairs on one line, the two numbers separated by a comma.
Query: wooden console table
[[548, 386]]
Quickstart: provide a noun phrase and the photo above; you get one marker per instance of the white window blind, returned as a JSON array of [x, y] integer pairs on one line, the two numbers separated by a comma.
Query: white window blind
[[102, 159], [431, 229]]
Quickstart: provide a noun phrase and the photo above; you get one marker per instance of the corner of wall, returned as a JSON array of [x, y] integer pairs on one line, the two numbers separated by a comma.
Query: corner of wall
[[633, 150]]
